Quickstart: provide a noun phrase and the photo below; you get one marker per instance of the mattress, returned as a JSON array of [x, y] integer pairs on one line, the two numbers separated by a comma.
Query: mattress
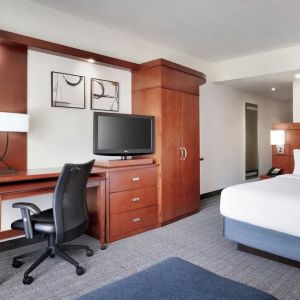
[[272, 203]]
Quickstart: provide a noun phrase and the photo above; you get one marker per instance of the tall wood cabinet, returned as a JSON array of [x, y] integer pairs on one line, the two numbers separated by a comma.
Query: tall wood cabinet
[[170, 92]]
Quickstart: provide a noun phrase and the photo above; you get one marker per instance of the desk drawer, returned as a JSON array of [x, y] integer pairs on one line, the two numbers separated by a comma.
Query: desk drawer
[[133, 220], [132, 179], [132, 199]]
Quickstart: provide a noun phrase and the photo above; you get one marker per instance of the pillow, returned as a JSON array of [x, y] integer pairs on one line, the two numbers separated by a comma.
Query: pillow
[[296, 161]]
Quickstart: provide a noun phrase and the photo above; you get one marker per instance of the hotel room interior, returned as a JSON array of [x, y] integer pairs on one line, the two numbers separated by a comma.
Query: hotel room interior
[[149, 149]]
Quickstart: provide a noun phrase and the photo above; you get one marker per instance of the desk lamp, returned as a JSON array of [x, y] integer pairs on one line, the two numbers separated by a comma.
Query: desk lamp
[[11, 122], [278, 139]]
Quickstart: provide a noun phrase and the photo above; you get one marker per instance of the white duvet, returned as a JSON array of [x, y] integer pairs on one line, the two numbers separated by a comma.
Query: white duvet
[[271, 203]]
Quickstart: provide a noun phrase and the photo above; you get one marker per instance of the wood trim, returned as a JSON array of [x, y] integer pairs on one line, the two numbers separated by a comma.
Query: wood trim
[[286, 126], [10, 234], [13, 93], [33, 174], [37, 44], [124, 163], [172, 65]]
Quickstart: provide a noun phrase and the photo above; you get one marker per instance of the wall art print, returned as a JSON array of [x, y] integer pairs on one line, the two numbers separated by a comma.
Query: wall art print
[[67, 90], [104, 95]]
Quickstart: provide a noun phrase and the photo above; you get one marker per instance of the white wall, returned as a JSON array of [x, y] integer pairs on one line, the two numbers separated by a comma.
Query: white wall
[[28, 18], [222, 108], [296, 101], [272, 62], [222, 134], [58, 135]]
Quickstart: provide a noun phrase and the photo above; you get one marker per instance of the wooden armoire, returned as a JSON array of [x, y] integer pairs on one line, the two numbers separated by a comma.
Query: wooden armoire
[[170, 92]]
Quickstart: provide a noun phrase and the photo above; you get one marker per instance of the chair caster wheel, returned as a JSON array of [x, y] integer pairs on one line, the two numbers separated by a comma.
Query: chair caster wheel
[[79, 271], [103, 247], [52, 255], [17, 264], [89, 252], [27, 280]]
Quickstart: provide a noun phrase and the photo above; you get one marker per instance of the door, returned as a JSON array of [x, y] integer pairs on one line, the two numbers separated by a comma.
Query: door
[[251, 126], [190, 200], [171, 164]]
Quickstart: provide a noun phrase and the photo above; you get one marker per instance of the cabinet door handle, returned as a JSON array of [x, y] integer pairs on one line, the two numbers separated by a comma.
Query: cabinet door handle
[[185, 153], [135, 220], [181, 153], [135, 179], [136, 199]]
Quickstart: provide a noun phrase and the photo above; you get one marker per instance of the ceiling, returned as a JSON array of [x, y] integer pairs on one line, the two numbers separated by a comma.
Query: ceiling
[[212, 30], [262, 85]]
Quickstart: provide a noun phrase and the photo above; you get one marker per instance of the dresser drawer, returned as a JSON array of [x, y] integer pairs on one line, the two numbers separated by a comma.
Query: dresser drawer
[[132, 199], [132, 179], [133, 220]]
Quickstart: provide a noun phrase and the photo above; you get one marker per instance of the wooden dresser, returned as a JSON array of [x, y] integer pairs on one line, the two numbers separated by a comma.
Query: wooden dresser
[[131, 200], [170, 92]]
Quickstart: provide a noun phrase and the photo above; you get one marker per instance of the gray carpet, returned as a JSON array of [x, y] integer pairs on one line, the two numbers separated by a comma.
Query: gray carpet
[[197, 239]]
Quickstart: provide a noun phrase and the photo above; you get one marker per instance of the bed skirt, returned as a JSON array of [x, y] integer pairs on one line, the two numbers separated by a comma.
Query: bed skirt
[[267, 240]]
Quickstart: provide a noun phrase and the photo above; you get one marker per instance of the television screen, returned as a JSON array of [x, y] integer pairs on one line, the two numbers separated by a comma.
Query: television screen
[[123, 134]]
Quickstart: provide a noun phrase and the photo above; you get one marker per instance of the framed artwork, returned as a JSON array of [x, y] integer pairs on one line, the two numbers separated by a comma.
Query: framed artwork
[[104, 95], [67, 90]]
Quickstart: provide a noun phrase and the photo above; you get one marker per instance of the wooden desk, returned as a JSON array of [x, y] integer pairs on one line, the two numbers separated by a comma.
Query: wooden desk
[[26, 183]]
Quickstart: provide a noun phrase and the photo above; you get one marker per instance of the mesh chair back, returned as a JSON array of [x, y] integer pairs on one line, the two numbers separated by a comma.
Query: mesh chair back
[[69, 201]]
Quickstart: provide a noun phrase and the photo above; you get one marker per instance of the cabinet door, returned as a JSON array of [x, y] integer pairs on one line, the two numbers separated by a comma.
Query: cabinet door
[[191, 164], [171, 166]]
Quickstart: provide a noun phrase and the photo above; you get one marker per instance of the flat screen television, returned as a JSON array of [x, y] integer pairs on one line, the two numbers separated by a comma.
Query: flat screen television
[[123, 134]]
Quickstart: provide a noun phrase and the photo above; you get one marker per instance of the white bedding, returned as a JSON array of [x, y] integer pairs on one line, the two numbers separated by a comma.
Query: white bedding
[[271, 203]]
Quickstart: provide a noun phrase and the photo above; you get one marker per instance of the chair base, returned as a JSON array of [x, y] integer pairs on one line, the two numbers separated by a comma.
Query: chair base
[[51, 251]]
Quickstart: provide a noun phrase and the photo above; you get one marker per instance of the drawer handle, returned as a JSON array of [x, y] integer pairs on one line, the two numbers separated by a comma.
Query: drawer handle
[[135, 179], [135, 220], [136, 199]]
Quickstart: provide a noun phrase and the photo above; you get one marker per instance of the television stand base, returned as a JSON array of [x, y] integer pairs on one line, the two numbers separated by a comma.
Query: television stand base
[[124, 163]]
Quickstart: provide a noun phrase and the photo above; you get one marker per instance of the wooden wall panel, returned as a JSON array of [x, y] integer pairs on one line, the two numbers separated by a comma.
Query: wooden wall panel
[[13, 98], [292, 141], [283, 162], [168, 75]]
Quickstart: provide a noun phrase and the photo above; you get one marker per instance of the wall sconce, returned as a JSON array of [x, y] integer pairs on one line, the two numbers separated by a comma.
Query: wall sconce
[[278, 139], [11, 122]]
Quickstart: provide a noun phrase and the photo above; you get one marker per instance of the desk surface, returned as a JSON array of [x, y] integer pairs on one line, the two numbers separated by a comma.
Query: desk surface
[[34, 174], [34, 182]]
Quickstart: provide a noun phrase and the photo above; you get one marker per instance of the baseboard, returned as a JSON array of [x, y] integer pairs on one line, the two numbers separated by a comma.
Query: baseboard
[[20, 242], [267, 255], [211, 194], [179, 218]]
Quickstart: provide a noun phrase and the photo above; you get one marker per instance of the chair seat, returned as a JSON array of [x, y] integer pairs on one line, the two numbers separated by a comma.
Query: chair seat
[[43, 222]]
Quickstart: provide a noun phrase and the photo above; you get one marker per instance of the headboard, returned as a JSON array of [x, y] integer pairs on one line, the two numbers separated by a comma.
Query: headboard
[[292, 141]]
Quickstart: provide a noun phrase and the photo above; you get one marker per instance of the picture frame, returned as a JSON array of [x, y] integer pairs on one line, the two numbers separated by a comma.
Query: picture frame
[[67, 90], [104, 95]]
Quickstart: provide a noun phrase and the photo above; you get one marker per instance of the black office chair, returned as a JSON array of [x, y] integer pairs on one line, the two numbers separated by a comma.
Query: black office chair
[[65, 222]]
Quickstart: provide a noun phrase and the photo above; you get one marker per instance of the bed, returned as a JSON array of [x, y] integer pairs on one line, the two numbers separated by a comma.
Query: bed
[[264, 215]]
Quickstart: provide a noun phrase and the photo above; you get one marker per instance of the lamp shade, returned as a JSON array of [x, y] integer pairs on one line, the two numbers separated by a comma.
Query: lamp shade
[[14, 122], [277, 137]]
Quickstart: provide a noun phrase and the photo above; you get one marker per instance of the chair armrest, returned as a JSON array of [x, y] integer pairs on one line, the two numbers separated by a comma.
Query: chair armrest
[[26, 208], [30, 206]]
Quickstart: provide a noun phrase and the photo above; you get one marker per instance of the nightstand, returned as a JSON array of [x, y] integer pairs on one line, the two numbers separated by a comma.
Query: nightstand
[[262, 177]]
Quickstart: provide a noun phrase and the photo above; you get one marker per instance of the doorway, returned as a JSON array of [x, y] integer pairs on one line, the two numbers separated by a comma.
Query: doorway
[[251, 124]]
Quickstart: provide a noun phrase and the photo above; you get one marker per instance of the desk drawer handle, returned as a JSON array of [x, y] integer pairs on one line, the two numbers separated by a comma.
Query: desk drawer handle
[[135, 220], [135, 179], [136, 199]]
